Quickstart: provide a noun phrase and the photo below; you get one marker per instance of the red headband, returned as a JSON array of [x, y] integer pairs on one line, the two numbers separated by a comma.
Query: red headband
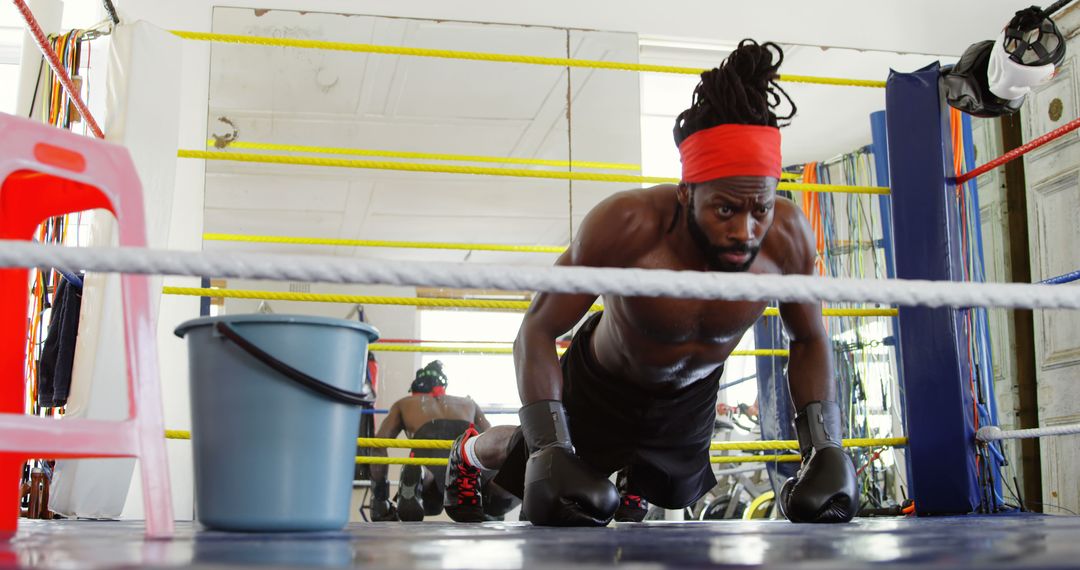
[[731, 150], [437, 391]]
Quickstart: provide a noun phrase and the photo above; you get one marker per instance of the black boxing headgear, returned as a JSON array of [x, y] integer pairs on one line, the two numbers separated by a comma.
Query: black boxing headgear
[[994, 77], [429, 380], [1031, 38]]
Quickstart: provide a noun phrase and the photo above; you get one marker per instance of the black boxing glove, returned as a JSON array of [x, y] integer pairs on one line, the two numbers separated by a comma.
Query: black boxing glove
[[824, 490], [382, 509], [560, 489]]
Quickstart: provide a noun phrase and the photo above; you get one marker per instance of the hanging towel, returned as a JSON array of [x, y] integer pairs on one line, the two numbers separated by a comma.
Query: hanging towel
[[54, 380]]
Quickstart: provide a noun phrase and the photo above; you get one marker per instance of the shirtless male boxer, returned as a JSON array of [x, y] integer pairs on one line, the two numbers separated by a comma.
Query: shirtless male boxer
[[637, 387], [428, 413]]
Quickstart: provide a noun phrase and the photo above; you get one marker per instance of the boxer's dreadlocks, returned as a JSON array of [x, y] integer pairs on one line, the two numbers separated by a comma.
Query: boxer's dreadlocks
[[741, 91]]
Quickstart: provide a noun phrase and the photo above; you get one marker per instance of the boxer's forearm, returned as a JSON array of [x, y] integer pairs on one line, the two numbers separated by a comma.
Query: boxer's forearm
[[539, 375], [810, 371]]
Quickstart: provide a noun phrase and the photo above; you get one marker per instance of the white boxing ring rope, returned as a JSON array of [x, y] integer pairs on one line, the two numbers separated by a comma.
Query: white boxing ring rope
[[555, 279], [994, 433]]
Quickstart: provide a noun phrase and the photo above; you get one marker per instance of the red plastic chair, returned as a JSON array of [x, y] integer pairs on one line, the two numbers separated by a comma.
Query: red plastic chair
[[45, 172]]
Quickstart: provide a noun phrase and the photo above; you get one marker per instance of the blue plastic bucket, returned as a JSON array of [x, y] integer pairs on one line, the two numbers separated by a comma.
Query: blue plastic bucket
[[274, 419]]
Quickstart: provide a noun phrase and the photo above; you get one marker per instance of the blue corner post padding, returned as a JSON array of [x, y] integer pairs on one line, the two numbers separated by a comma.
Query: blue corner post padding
[[939, 404]]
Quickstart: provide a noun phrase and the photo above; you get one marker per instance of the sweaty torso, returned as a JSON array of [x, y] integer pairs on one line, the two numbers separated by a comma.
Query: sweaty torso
[[669, 343], [419, 410]]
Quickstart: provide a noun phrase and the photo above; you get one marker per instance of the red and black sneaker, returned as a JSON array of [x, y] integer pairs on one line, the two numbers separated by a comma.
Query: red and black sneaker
[[632, 508], [462, 499]]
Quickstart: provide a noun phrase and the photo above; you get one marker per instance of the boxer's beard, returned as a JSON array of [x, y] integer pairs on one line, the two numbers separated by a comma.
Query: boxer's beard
[[713, 252]]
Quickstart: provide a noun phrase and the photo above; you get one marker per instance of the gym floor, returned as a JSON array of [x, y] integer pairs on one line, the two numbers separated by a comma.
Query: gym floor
[[1002, 541]]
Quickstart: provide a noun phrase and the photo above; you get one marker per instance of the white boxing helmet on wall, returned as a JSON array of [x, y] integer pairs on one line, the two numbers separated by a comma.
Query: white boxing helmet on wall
[[1025, 55], [993, 77]]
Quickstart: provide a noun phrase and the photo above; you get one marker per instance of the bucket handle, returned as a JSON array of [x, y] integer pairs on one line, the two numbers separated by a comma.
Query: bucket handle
[[318, 386]]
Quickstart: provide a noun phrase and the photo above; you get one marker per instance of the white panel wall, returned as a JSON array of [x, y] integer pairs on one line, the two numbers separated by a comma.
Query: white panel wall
[[1053, 195]]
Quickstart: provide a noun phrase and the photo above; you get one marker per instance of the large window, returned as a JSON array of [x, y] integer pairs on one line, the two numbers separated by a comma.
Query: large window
[[489, 378]]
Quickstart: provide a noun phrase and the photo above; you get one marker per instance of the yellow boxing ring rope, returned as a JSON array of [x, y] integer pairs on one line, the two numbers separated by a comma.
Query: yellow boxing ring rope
[[437, 156], [436, 461], [505, 349], [463, 246], [425, 155], [488, 171], [770, 445], [494, 57], [385, 243], [386, 443], [449, 303]]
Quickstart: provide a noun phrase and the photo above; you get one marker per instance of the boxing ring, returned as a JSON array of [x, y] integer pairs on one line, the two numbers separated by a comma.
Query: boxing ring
[[944, 437]]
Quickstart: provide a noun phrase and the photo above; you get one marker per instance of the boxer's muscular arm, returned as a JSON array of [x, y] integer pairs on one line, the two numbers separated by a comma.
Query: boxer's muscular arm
[[535, 359], [810, 369], [826, 487], [612, 235], [390, 427], [560, 488]]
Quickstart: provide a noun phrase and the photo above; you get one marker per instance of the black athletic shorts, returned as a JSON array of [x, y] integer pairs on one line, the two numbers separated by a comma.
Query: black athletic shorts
[[661, 437], [439, 429]]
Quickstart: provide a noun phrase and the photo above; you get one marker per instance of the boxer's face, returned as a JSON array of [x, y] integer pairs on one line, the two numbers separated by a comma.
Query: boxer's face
[[729, 217]]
